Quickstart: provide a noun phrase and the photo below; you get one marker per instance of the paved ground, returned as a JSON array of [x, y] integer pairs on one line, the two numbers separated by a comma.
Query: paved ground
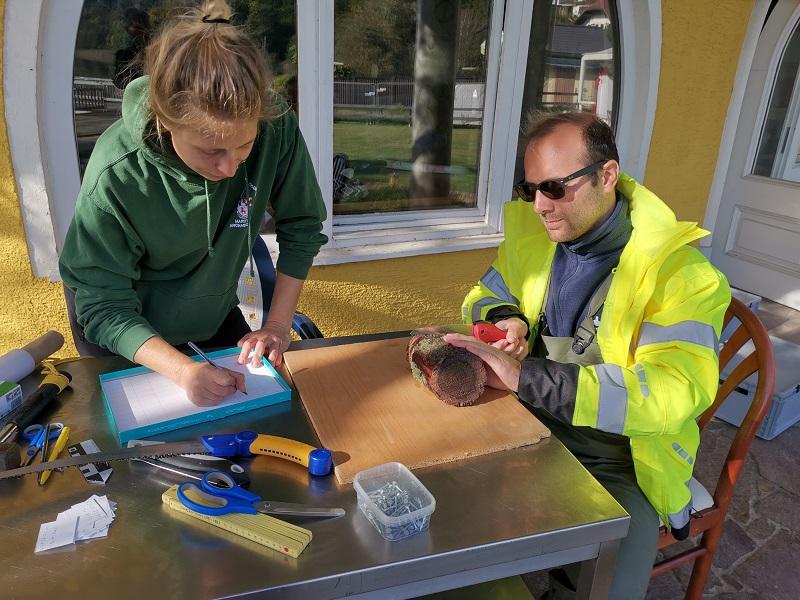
[[759, 554]]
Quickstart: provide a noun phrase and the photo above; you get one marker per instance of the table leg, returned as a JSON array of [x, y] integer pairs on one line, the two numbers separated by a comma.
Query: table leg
[[594, 581]]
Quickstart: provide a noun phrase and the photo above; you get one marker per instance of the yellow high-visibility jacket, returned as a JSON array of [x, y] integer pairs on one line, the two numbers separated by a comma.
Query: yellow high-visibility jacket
[[658, 336]]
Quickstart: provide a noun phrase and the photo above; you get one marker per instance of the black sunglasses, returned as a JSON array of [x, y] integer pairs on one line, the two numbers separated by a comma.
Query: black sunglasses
[[553, 188]]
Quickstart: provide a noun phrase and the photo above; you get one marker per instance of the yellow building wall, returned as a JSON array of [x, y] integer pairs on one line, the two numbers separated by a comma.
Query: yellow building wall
[[701, 42], [29, 305], [392, 294]]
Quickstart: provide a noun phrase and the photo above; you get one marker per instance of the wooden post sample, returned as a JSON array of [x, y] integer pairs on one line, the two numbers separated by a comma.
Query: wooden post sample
[[367, 408]]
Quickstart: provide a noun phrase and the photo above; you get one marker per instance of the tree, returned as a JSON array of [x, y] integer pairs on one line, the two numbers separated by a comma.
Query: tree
[[375, 38], [434, 93]]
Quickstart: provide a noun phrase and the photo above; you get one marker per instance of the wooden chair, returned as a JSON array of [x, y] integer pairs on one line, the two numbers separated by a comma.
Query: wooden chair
[[709, 520]]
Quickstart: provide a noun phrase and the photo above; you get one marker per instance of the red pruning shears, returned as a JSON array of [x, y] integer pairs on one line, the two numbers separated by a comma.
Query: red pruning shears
[[486, 332], [482, 330]]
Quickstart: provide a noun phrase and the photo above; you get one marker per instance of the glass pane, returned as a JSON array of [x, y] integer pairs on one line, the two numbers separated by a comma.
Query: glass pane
[[111, 34], [573, 57], [778, 153], [408, 98]]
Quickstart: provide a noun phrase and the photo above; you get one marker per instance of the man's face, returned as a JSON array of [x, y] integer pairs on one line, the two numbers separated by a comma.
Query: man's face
[[585, 205], [215, 156]]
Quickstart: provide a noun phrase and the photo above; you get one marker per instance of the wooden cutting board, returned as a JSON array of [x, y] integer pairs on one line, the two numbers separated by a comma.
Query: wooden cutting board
[[367, 408]]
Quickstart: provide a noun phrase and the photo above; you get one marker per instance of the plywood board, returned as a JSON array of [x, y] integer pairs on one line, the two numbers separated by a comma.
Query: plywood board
[[367, 408]]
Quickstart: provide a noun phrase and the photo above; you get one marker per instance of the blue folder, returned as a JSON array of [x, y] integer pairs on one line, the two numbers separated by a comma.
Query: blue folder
[[142, 403]]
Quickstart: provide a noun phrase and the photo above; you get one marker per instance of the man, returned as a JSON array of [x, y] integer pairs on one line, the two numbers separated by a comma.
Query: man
[[596, 278]]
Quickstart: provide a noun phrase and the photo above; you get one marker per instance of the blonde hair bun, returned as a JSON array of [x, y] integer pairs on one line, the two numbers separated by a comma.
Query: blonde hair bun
[[216, 11], [206, 77]]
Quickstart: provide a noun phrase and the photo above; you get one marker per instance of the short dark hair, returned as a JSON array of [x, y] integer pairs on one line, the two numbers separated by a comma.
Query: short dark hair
[[597, 135]]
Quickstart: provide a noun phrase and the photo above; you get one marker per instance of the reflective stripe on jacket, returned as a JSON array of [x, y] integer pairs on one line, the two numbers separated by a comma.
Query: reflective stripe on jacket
[[658, 337]]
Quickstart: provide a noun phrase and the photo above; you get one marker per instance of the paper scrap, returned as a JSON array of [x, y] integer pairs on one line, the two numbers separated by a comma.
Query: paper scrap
[[55, 534], [83, 521]]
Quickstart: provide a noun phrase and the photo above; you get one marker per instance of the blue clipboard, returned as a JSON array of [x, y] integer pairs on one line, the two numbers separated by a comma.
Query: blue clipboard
[[142, 403]]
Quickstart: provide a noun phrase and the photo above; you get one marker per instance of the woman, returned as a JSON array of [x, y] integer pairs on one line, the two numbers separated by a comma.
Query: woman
[[172, 199]]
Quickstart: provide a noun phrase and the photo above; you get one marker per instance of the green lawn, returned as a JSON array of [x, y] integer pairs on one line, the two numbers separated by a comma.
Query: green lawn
[[368, 147]]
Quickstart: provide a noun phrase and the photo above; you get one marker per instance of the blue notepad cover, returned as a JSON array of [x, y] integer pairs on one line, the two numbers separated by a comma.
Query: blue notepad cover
[[213, 413]]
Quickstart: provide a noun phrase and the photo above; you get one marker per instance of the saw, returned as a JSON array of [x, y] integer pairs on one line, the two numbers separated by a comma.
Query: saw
[[245, 443]]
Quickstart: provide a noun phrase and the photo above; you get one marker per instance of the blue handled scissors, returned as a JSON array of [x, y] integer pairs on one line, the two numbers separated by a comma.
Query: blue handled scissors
[[218, 494], [35, 435]]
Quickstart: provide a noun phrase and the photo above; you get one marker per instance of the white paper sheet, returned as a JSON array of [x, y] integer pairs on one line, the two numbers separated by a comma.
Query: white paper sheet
[[83, 521], [152, 398], [56, 534]]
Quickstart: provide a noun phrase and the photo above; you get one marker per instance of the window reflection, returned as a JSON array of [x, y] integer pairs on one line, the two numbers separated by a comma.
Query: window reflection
[[572, 60], [778, 153], [409, 81], [112, 34]]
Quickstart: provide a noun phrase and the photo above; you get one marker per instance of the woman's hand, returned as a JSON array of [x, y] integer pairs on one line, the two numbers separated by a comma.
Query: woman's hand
[[206, 385], [271, 341], [515, 344], [502, 369]]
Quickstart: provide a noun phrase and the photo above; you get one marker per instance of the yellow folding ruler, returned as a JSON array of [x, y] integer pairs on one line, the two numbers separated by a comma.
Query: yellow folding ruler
[[262, 529]]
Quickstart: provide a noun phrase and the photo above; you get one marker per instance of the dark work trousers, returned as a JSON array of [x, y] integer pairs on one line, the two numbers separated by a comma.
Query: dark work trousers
[[608, 458], [233, 328], [230, 331]]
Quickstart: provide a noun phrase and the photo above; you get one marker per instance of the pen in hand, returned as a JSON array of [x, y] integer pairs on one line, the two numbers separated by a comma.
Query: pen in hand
[[205, 356]]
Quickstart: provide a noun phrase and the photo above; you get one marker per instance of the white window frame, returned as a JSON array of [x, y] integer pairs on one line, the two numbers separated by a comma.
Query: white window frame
[[39, 38], [408, 233], [39, 45]]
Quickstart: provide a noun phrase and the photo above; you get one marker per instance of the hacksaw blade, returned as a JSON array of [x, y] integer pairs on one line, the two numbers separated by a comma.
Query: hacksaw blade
[[155, 451]]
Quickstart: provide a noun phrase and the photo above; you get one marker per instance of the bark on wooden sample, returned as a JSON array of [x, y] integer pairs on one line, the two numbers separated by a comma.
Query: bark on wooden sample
[[454, 375]]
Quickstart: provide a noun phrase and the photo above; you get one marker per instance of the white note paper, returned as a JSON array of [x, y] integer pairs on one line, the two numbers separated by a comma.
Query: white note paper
[[149, 398], [56, 534], [83, 521]]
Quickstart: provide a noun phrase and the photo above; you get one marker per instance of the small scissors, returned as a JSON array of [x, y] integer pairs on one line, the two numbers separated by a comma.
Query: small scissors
[[35, 436], [218, 494]]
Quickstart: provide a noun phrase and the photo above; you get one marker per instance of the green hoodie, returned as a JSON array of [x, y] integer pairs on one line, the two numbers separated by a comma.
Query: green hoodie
[[155, 249]]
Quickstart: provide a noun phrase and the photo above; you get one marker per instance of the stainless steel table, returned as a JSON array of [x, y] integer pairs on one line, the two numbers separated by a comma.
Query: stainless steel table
[[496, 515]]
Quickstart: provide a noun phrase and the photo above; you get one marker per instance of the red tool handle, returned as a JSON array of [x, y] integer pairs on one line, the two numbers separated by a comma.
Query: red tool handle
[[486, 332]]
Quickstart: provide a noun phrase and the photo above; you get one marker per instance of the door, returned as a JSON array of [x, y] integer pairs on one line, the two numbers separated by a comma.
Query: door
[[757, 233]]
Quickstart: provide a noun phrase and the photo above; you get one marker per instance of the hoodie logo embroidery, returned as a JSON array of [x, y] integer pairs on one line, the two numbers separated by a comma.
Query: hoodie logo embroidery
[[243, 207], [241, 219]]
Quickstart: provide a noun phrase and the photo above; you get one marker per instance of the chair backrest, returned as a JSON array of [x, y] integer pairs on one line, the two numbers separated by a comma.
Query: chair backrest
[[301, 324], [266, 274], [760, 360]]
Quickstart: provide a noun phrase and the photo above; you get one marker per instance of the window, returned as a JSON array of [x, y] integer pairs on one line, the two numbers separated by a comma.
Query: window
[[416, 126], [113, 33], [409, 83], [778, 153], [572, 58], [43, 44]]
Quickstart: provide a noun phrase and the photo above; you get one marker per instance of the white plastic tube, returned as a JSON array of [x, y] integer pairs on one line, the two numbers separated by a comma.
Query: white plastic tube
[[17, 364]]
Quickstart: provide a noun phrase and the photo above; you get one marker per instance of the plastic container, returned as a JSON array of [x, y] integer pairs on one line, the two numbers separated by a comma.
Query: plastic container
[[785, 409], [394, 500]]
